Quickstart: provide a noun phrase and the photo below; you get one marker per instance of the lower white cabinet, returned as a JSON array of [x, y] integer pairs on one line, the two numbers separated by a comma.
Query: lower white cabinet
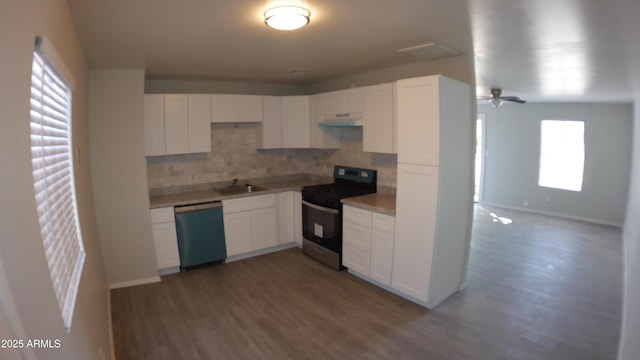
[[163, 226], [367, 243], [289, 205], [297, 217], [250, 223]]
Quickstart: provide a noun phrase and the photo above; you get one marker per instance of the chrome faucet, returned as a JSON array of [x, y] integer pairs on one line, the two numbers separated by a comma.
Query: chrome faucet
[[234, 183]]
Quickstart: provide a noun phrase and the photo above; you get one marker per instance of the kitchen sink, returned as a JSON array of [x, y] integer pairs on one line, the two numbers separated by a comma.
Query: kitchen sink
[[244, 189]]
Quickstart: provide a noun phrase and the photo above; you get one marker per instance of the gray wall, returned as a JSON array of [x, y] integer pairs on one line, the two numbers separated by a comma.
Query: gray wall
[[119, 175], [27, 296], [513, 145]]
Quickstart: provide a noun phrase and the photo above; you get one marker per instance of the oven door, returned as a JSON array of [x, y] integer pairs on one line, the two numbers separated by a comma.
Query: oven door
[[322, 226]]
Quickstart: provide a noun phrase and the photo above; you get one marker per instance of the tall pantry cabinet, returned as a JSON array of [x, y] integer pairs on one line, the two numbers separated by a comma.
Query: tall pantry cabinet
[[434, 188]]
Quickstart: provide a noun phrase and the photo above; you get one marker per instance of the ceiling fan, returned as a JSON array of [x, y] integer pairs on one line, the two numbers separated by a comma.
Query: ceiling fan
[[497, 99]]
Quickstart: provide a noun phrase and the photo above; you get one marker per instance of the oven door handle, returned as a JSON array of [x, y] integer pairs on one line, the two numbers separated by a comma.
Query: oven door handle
[[320, 208]]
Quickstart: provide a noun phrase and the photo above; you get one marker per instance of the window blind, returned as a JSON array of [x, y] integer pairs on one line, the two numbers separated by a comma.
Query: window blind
[[53, 181]]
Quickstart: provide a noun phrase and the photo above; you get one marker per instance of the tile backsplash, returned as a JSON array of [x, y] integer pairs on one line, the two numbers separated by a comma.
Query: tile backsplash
[[234, 155]]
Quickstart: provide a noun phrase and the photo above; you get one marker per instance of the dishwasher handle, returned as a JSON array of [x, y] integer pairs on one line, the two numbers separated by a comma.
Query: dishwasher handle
[[197, 207]]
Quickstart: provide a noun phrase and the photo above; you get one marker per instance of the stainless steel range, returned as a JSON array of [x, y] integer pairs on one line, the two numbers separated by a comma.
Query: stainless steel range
[[322, 212]]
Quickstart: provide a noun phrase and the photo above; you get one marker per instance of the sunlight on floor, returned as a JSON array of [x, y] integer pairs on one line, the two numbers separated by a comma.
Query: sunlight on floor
[[496, 218]]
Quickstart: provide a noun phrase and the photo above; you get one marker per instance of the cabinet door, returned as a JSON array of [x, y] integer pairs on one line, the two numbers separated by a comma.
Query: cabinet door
[[356, 259], [199, 123], [154, 125], [285, 217], [381, 256], [264, 227], [353, 100], [356, 235], [297, 217], [271, 122], [295, 121], [321, 137], [334, 102], [238, 232], [249, 108], [416, 201], [176, 122], [378, 128], [224, 108], [418, 117], [166, 245]]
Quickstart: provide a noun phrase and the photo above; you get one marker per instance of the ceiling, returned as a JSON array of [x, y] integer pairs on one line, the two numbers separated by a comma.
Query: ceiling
[[540, 50]]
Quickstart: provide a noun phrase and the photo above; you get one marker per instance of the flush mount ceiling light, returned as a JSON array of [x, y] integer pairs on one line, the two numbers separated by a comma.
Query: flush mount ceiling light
[[286, 17]]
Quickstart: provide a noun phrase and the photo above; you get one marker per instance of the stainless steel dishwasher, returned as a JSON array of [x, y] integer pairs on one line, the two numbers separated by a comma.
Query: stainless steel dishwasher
[[200, 229]]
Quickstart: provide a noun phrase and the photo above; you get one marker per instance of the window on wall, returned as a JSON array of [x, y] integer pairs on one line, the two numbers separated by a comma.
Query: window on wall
[[53, 180], [561, 154]]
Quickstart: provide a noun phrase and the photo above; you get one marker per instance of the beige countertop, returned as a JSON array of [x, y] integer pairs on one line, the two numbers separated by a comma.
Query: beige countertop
[[193, 197], [380, 202]]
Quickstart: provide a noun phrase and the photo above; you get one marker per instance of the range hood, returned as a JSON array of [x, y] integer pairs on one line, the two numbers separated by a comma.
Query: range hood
[[341, 120]]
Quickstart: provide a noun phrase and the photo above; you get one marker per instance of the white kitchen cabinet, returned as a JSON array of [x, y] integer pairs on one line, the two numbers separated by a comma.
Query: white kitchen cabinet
[[382, 243], [250, 223], [154, 125], [176, 124], [165, 239], [230, 108], [378, 124], [295, 122], [238, 232], [322, 137], [199, 123], [368, 240], [224, 108], [434, 188], [415, 229], [271, 132], [297, 217], [264, 226], [292, 122], [418, 116], [286, 215], [347, 101]]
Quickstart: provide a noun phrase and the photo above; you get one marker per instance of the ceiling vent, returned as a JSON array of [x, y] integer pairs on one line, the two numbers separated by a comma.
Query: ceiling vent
[[430, 51]]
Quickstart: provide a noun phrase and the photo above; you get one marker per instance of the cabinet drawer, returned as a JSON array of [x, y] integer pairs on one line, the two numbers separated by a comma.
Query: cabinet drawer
[[356, 235], [356, 215], [356, 259], [248, 203], [382, 222], [162, 215]]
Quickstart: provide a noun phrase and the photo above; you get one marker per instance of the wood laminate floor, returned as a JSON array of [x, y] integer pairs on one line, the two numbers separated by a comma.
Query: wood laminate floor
[[538, 287]]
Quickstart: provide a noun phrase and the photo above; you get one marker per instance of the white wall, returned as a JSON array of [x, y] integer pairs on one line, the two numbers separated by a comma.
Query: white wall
[[513, 145], [116, 110], [26, 276], [629, 344]]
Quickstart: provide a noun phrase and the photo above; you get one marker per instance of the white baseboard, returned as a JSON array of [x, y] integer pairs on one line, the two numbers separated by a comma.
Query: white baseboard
[[150, 280], [549, 213]]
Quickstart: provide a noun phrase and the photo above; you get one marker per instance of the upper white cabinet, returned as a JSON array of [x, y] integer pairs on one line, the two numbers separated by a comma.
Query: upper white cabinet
[[229, 108], [176, 124], [292, 122], [270, 134], [418, 115], [154, 125], [295, 122], [341, 102], [199, 123], [379, 119], [322, 138]]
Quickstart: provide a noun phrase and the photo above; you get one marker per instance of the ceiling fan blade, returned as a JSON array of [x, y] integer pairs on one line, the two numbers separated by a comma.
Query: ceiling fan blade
[[483, 98], [513, 99]]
